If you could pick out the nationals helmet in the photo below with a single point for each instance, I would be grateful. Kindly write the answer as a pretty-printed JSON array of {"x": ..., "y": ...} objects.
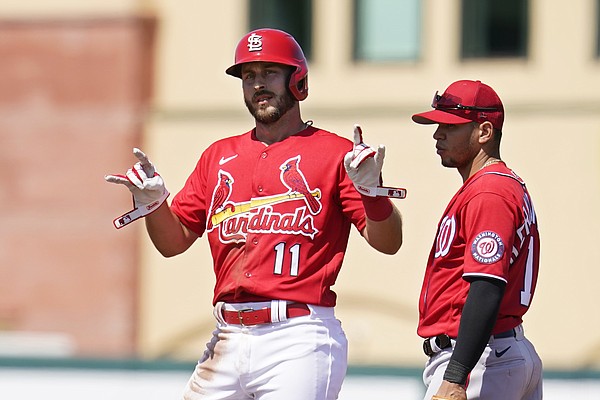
[{"x": 273, "y": 45}]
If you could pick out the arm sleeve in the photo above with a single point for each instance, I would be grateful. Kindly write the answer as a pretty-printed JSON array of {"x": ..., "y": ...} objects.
[{"x": 476, "y": 324}]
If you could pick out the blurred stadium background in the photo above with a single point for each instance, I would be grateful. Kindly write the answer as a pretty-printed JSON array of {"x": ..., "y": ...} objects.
[{"x": 86, "y": 307}]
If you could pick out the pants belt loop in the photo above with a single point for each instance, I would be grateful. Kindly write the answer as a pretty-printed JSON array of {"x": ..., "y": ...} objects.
[
  {"x": 283, "y": 310},
  {"x": 519, "y": 332},
  {"x": 275, "y": 312},
  {"x": 218, "y": 312}
]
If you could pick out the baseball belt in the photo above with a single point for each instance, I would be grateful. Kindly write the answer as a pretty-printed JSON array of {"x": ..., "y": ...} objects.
[
  {"x": 250, "y": 317},
  {"x": 438, "y": 343}
]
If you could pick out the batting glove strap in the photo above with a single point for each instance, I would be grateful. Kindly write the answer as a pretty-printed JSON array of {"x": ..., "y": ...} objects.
[
  {"x": 382, "y": 191},
  {"x": 140, "y": 211}
]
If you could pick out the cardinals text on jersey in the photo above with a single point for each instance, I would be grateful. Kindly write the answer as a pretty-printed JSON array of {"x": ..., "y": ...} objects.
[{"x": 235, "y": 220}]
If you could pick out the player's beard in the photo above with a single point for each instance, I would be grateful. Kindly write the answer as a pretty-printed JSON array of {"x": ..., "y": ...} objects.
[{"x": 272, "y": 112}]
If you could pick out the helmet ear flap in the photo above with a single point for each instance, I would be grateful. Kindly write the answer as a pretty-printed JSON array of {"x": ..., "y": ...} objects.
[{"x": 300, "y": 88}]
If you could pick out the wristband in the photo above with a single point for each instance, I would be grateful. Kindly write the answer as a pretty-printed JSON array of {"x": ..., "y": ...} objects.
[
  {"x": 139, "y": 212},
  {"x": 377, "y": 208},
  {"x": 456, "y": 373}
]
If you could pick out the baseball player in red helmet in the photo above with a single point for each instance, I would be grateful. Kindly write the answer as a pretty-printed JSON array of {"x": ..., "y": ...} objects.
[
  {"x": 483, "y": 267},
  {"x": 277, "y": 204}
]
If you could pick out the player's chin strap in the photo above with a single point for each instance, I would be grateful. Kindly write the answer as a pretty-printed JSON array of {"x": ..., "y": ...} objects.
[
  {"x": 383, "y": 191},
  {"x": 139, "y": 212}
]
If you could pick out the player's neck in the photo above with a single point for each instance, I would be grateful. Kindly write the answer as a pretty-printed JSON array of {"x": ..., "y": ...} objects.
[
  {"x": 289, "y": 124},
  {"x": 478, "y": 164}
]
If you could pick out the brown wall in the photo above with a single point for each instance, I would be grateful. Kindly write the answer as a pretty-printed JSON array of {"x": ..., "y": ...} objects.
[{"x": 73, "y": 98}]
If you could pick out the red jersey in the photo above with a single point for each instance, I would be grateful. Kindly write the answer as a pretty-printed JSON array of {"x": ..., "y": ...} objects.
[
  {"x": 489, "y": 229},
  {"x": 277, "y": 217}
]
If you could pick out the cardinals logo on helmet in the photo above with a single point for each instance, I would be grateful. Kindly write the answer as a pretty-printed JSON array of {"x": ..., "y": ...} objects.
[{"x": 255, "y": 42}]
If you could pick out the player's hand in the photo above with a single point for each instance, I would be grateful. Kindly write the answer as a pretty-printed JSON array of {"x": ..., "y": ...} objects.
[
  {"x": 364, "y": 164},
  {"x": 450, "y": 391},
  {"x": 146, "y": 186}
]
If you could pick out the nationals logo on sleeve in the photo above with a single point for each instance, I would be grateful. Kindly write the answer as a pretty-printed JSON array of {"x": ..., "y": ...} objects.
[{"x": 487, "y": 248}]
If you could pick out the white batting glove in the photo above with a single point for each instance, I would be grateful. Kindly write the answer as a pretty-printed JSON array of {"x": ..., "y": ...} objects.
[
  {"x": 146, "y": 186},
  {"x": 364, "y": 164}
]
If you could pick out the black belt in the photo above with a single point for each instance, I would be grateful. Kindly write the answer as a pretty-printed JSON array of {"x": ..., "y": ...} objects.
[
  {"x": 443, "y": 341},
  {"x": 505, "y": 334}
]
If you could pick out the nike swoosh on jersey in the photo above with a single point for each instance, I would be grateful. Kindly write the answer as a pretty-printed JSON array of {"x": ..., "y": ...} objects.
[
  {"x": 501, "y": 353},
  {"x": 224, "y": 160}
]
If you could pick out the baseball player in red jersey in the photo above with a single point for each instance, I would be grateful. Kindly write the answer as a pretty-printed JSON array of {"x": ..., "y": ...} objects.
[
  {"x": 483, "y": 267},
  {"x": 276, "y": 204}
]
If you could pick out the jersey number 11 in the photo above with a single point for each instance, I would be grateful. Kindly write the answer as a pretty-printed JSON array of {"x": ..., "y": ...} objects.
[{"x": 280, "y": 256}]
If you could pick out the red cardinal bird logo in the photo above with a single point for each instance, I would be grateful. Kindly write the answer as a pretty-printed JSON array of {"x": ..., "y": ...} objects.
[
  {"x": 292, "y": 177},
  {"x": 220, "y": 196}
]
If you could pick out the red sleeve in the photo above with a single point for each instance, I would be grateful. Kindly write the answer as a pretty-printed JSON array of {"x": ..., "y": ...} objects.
[
  {"x": 190, "y": 203},
  {"x": 490, "y": 230}
]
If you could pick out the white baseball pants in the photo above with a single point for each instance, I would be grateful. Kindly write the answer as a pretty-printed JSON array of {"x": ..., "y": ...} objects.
[
  {"x": 301, "y": 358},
  {"x": 509, "y": 368}
]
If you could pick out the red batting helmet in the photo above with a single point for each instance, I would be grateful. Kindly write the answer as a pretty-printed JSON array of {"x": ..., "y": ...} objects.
[{"x": 272, "y": 45}]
